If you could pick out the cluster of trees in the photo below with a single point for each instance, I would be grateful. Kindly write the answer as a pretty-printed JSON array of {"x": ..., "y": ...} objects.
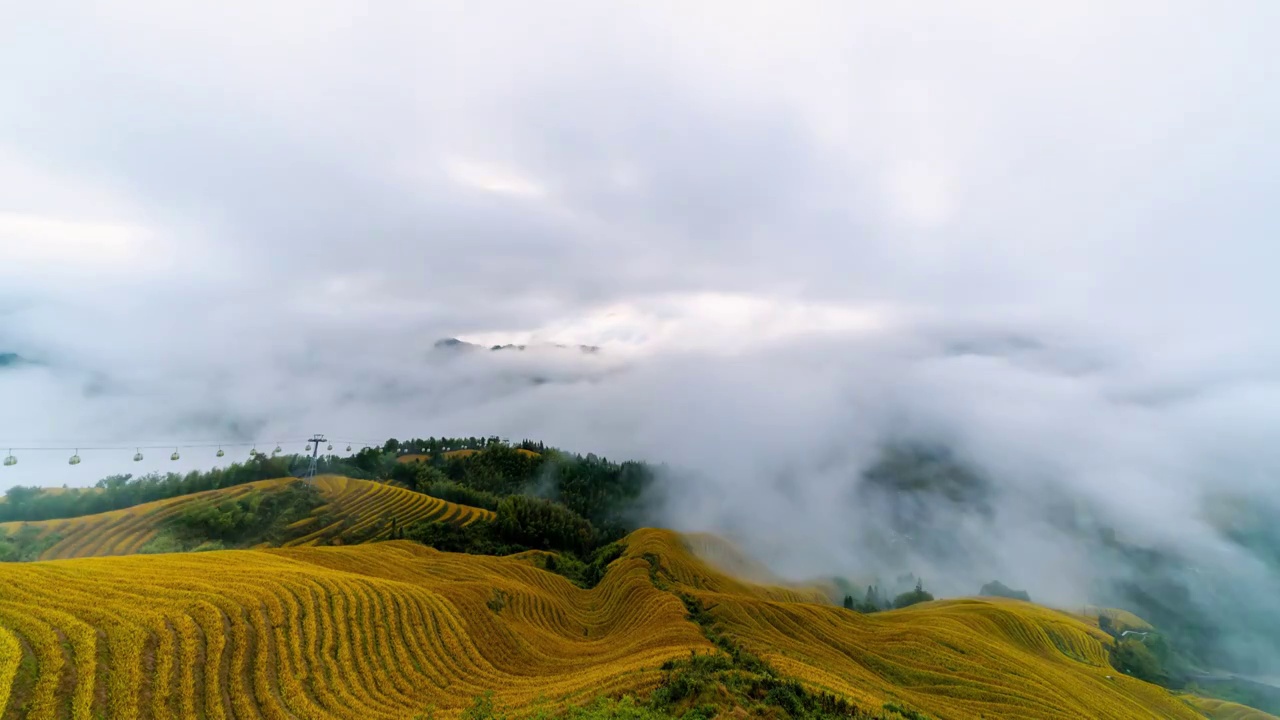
[
  {"x": 995, "y": 588},
  {"x": 607, "y": 495},
  {"x": 121, "y": 491},
  {"x": 1143, "y": 655},
  {"x": 539, "y": 523},
  {"x": 875, "y": 600},
  {"x": 436, "y": 446},
  {"x": 522, "y": 523},
  {"x": 610, "y": 495},
  {"x": 544, "y": 499},
  {"x": 458, "y": 493},
  {"x": 498, "y": 469},
  {"x": 576, "y": 506},
  {"x": 1158, "y": 589},
  {"x": 25, "y": 544},
  {"x": 247, "y": 521},
  {"x": 585, "y": 569}
]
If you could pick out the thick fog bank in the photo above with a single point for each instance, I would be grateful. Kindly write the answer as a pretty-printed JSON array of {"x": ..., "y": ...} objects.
[{"x": 1039, "y": 463}]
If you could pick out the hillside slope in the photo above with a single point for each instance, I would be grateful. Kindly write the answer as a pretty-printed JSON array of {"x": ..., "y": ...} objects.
[
  {"x": 374, "y": 631},
  {"x": 356, "y": 510},
  {"x": 1224, "y": 710},
  {"x": 391, "y": 629},
  {"x": 957, "y": 658}
]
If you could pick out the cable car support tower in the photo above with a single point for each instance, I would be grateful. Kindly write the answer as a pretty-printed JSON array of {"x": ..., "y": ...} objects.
[{"x": 314, "y": 446}]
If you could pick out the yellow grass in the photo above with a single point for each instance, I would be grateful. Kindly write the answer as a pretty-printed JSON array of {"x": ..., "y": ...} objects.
[
  {"x": 1121, "y": 619},
  {"x": 376, "y": 631},
  {"x": 10, "y": 656},
  {"x": 955, "y": 659},
  {"x": 465, "y": 452},
  {"x": 356, "y": 509},
  {"x": 1223, "y": 710},
  {"x": 388, "y": 630}
]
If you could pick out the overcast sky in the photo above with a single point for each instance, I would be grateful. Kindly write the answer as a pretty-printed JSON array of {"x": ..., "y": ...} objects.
[
  {"x": 602, "y": 172},
  {"x": 1046, "y": 233}
]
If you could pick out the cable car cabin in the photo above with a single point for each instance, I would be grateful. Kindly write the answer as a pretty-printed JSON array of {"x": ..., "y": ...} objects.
[
  {"x": 308, "y": 447},
  {"x": 137, "y": 457},
  {"x": 220, "y": 453},
  {"x": 10, "y": 460},
  {"x": 330, "y": 446},
  {"x": 75, "y": 459},
  {"x": 348, "y": 448},
  {"x": 175, "y": 455}
]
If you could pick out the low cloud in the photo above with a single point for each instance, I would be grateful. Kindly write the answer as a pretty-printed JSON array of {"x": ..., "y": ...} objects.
[{"x": 1043, "y": 240}]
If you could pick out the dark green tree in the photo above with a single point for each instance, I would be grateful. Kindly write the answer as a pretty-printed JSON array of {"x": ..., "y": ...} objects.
[
  {"x": 918, "y": 595},
  {"x": 1106, "y": 626}
]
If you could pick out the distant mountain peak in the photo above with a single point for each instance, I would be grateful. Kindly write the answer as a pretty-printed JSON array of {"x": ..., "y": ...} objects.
[
  {"x": 456, "y": 344},
  {"x": 451, "y": 343}
]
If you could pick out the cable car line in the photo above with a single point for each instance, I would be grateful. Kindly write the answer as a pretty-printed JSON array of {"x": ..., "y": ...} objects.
[{"x": 11, "y": 458}]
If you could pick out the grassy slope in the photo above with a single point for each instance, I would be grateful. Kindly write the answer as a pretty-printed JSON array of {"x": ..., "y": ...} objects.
[
  {"x": 1224, "y": 710},
  {"x": 390, "y": 629},
  {"x": 955, "y": 659},
  {"x": 356, "y": 509},
  {"x": 384, "y": 630}
]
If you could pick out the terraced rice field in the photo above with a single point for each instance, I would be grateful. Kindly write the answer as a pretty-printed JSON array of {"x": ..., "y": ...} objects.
[
  {"x": 1121, "y": 619},
  {"x": 364, "y": 510},
  {"x": 386, "y": 630},
  {"x": 465, "y": 452},
  {"x": 391, "y": 629},
  {"x": 1223, "y": 710},
  {"x": 991, "y": 657},
  {"x": 356, "y": 510}
]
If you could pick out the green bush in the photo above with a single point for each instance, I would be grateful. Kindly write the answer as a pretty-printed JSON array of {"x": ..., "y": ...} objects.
[
  {"x": 241, "y": 522},
  {"x": 995, "y": 588},
  {"x": 25, "y": 544},
  {"x": 1132, "y": 657},
  {"x": 913, "y": 597},
  {"x": 478, "y": 538},
  {"x": 484, "y": 708},
  {"x": 498, "y": 600},
  {"x": 461, "y": 494},
  {"x": 544, "y": 525}
]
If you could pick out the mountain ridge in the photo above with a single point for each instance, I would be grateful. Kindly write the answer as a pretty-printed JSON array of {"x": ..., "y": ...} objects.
[{"x": 453, "y": 343}]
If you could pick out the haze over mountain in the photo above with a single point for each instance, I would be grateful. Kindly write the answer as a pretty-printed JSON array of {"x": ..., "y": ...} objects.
[{"x": 1038, "y": 241}]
